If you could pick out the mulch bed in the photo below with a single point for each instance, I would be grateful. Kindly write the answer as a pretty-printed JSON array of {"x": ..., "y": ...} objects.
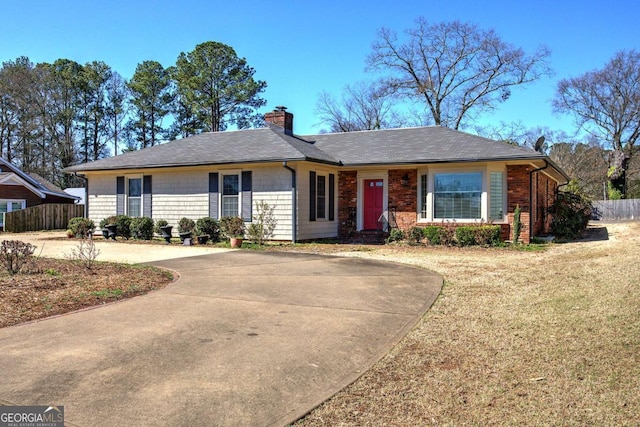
[{"x": 49, "y": 287}]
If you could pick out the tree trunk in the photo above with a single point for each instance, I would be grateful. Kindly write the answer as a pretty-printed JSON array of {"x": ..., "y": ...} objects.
[{"x": 617, "y": 175}]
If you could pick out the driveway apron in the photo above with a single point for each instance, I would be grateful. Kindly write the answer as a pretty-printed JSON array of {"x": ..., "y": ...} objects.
[{"x": 242, "y": 338}]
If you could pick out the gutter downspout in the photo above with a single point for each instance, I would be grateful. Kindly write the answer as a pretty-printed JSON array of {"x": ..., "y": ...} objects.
[
  {"x": 294, "y": 204},
  {"x": 86, "y": 192}
]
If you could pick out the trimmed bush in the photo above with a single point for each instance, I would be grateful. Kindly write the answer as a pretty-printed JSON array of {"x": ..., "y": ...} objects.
[
  {"x": 141, "y": 228},
  {"x": 123, "y": 226},
  {"x": 160, "y": 223},
  {"x": 415, "y": 234},
  {"x": 186, "y": 225},
  {"x": 571, "y": 213},
  {"x": 433, "y": 234},
  {"x": 396, "y": 235},
  {"x": 465, "y": 235},
  {"x": 232, "y": 226},
  {"x": 210, "y": 226},
  {"x": 81, "y": 227}
]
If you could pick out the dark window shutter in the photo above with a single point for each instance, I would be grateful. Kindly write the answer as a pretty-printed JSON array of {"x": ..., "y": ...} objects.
[
  {"x": 246, "y": 196},
  {"x": 120, "y": 195},
  {"x": 312, "y": 196},
  {"x": 146, "y": 196},
  {"x": 213, "y": 195},
  {"x": 332, "y": 193}
]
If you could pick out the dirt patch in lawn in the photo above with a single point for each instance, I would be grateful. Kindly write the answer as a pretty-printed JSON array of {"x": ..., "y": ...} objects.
[
  {"x": 49, "y": 287},
  {"x": 544, "y": 337}
]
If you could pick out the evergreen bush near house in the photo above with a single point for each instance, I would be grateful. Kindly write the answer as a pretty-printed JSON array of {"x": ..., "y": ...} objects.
[
  {"x": 186, "y": 225},
  {"x": 81, "y": 227},
  {"x": 208, "y": 226},
  {"x": 465, "y": 235},
  {"x": 232, "y": 226},
  {"x": 433, "y": 234},
  {"x": 396, "y": 235},
  {"x": 141, "y": 228},
  {"x": 571, "y": 213},
  {"x": 108, "y": 221},
  {"x": 517, "y": 224},
  {"x": 415, "y": 234},
  {"x": 160, "y": 223},
  {"x": 123, "y": 226}
]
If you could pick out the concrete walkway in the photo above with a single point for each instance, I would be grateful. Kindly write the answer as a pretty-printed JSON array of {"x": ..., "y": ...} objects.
[{"x": 243, "y": 338}]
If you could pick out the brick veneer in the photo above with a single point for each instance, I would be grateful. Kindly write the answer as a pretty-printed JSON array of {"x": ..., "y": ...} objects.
[
  {"x": 404, "y": 199},
  {"x": 347, "y": 202}
]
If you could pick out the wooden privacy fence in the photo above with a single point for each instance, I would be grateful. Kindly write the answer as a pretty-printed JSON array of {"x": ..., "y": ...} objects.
[
  {"x": 52, "y": 216},
  {"x": 625, "y": 209}
]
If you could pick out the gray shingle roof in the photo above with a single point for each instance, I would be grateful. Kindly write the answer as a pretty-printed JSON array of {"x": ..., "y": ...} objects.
[
  {"x": 432, "y": 144},
  {"x": 246, "y": 146},
  {"x": 34, "y": 179}
]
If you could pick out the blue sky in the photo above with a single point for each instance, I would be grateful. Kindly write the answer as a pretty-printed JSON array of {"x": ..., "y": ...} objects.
[{"x": 301, "y": 48}]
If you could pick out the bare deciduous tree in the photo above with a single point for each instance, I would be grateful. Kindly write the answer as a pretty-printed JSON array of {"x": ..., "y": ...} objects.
[
  {"x": 606, "y": 104},
  {"x": 457, "y": 69}
]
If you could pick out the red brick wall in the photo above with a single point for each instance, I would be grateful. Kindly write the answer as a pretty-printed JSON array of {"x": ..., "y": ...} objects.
[
  {"x": 404, "y": 197},
  {"x": 545, "y": 192},
  {"x": 518, "y": 194},
  {"x": 20, "y": 193},
  {"x": 347, "y": 202}
]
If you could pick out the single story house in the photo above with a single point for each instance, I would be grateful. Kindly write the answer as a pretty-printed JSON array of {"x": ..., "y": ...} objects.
[
  {"x": 329, "y": 185},
  {"x": 20, "y": 190}
]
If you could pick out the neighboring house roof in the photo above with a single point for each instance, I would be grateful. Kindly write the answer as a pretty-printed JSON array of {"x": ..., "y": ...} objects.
[
  {"x": 244, "y": 146},
  {"x": 34, "y": 182},
  {"x": 78, "y": 192},
  {"x": 433, "y": 144}
]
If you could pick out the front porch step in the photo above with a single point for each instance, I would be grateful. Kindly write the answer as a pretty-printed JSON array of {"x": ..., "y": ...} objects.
[{"x": 368, "y": 237}]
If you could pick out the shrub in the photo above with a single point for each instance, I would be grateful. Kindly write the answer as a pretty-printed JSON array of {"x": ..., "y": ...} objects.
[
  {"x": 14, "y": 254},
  {"x": 448, "y": 234},
  {"x": 232, "y": 226},
  {"x": 81, "y": 227},
  {"x": 465, "y": 235},
  {"x": 160, "y": 223},
  {"x": 209, "y": 226},
  {"x": 433, "y": 234},
  {"x": 570, "y": 214},
  {"x": 123, "y": 226},
  {"x": 85, "y": 253},
  {"x": 488, "y": 235},
  {"x": 141, "y": 228},
  {"x": 263, "y": 225},
  {"x": 415, "y": 234},
  {"x": 517, "y": 224},
  {"x": 395, "y": 235},
  {"x": 186, "y": 225},
  {"x": 108, "y": 221}
]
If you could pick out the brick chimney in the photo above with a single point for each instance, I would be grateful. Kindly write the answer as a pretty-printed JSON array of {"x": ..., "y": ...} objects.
[{"x": 280, "y": 117}]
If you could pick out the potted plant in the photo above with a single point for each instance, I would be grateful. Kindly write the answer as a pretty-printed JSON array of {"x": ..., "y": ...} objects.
[
  {"x": 185, "y": 228},
  {"x": 207, "y": 228},
  {"x": 164, "y": 229},
  {"x": 233, "y": 228},
  {"x": 109, "y": 227}
]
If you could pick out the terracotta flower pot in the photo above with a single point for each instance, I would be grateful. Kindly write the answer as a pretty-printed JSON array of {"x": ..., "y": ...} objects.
[{"x": 235, "y": 242}]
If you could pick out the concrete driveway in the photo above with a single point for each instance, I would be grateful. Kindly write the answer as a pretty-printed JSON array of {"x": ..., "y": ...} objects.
[{"x": 242, "y": 338}]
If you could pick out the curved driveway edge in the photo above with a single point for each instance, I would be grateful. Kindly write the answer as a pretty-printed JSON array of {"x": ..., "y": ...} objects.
[{"x": 243, "y": 338}]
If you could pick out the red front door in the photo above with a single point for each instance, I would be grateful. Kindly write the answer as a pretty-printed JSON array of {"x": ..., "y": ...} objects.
[{"x": 372, "y": 204}]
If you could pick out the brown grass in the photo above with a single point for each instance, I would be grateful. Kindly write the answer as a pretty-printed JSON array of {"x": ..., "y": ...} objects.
[{"x": 516, "y": 338}]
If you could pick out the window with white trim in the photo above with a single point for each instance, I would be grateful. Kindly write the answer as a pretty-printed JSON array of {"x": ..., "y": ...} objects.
[
  {"x": 230, "y": 195},
  {"x": 134, "y": 197},
  {"x": 10, "y": 206},
  {"x": 457, "y": 195},
  {"x": 321, "y": 197}
]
